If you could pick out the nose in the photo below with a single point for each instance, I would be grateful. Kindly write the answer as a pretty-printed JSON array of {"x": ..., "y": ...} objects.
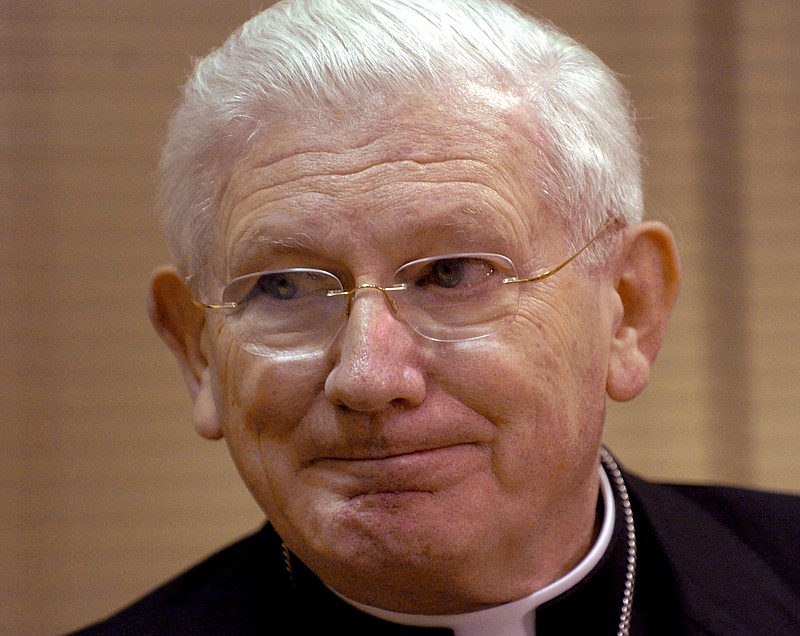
[{"x": 378, "y": 360}]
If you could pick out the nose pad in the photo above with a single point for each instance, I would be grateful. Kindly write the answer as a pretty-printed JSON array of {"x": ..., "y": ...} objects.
[
  {"x": 377, "y": 361},
  {"x": 351, "y": 295}
]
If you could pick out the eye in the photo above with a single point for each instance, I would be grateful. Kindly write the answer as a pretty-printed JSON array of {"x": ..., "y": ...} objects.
[
  {"x": 447, "y": 272},
  {"x": 282, "y": 286},
  {"x": 456, "y": 272}
]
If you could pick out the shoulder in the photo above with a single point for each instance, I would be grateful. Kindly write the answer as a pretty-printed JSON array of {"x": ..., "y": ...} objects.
[
  {"x": 767, "y": 523},
  {"x": 225, "y": 590},
  {"x": 733, "y": 554}
]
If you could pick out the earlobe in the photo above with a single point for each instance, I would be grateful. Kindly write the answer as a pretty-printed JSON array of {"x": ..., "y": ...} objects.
[
  {"x": 180, "y": 323},
  {"x": 204, "y": 414},
  {"x": 647, "y": 285}
]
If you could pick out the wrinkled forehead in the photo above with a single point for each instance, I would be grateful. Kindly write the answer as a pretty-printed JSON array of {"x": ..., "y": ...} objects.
[
  {"x": 322, "y": 166},
  {"x": 427, "y": 126}
]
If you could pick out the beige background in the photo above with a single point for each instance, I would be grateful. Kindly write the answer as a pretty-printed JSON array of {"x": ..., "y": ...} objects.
[{"x": 106, "y": 491}]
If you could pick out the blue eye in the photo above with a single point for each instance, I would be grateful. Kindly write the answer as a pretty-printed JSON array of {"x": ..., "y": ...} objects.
[
  {"x": 447, "y": 272},
  {"x": 272, "y": 288},
  {"x": 458, "y": 273},
  {"x": 281, "y": 286}
]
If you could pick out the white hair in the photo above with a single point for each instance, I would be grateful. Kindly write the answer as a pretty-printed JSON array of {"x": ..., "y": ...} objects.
[{"x": 331, "y": 55}]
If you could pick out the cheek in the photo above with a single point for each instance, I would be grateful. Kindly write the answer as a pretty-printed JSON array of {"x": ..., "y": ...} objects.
[
  {"x": 261, "y": 403},
  {"x": 528, "y": 366},
  {"x": 264, "y": 396},
  {"x": 540, "y": 382}
]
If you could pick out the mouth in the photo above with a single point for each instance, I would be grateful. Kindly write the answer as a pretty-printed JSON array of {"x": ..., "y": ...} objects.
[{"x": 403, "y": 471}]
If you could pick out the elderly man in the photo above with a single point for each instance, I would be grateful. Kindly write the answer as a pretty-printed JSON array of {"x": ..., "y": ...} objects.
[{"x": 410, "y": 264}]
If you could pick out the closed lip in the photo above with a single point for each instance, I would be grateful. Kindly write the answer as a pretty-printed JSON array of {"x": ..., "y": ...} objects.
[
  {"x": 423, "y": 469},
  {"x": 379, "y": 455},
  {"x": 381, "y": 439}
]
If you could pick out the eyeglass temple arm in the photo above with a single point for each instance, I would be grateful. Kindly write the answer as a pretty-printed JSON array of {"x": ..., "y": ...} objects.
[
  {"x": 609, "y": 222},
  {"x": 203, "y": 305}
]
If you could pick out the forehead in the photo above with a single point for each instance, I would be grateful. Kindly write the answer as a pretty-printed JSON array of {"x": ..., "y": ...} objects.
[{"x": 423, "y": 169}]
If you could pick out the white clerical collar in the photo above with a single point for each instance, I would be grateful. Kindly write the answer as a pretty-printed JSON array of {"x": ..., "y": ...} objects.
[{"x": 516, "y": 618}]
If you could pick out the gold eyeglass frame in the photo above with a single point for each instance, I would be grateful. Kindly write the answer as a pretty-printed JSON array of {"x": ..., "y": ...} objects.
[{"x": 392, "y": 288}]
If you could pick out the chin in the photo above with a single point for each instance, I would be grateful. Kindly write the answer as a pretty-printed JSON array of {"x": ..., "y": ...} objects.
[{"x": 408, "y": 536}]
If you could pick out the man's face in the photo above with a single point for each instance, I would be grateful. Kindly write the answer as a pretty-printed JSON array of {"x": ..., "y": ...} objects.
[{"x": 412, "y": 474}]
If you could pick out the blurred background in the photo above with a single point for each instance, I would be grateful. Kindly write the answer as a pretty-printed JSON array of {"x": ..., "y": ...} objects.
[{"x": 105, "y": 489}]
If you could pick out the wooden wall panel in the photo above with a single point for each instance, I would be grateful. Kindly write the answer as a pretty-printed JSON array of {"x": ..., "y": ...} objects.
[
  {"x": 769, "y": 88},
  {"x": 108, "y": 491}
]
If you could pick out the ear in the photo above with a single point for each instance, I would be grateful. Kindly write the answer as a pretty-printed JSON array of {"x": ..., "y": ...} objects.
[
  {"x": 648, "y": 280},
  {"x": 180, "y": 323}
]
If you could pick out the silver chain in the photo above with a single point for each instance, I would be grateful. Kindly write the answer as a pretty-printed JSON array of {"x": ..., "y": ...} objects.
[{"x": 630, "y": 573}]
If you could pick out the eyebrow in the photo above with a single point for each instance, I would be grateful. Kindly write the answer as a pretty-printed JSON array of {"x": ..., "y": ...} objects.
[
  {"x": 468, "y": 225},
  {"x": 258, "y": 246},
  {"x": 286, "y": 244}
]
